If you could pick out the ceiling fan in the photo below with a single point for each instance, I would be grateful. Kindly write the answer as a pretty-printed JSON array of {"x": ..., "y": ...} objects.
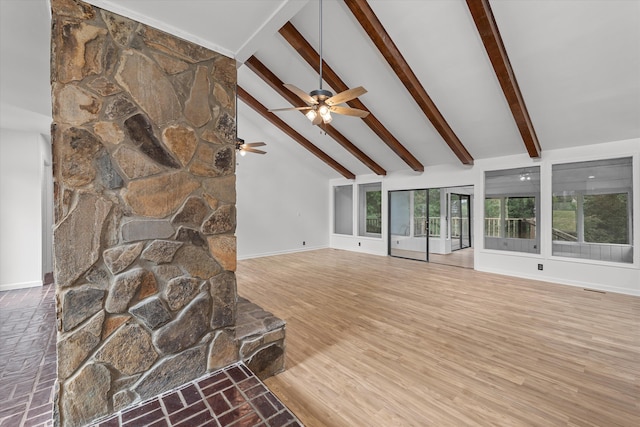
[
  {"x": 321, "y": 103},
  {"x": 248, "y": 147}
]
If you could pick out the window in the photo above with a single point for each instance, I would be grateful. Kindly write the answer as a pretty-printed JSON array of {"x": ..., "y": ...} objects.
[
  {"x": 343, "y": 209},
  {"x": 420, "y": 213},
  {"x": 370, "y": 216},
  {"x": 510, "y": 210},
  {"x": 592, "y": 210}
]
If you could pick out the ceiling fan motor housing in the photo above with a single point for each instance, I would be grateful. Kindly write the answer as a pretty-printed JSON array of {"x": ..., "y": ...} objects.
[{"x": 320, "y": 94}]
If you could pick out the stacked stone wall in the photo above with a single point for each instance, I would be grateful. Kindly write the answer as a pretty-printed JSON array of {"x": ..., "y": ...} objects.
[{"x": 144, "y": 246}]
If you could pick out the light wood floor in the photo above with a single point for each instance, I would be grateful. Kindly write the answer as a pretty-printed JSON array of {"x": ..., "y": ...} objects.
[
  {"x": 383, "y": 341},
  {"x": 460, "y": 258}
]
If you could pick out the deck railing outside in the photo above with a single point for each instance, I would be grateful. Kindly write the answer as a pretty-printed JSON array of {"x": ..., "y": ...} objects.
[{"x": 515, "y": 228}]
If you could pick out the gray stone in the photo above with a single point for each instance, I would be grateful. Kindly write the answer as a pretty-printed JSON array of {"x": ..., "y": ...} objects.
[
  {"x": 140, "y": 130},
  {"x": 129, "y": 350},
  {"x": 124, "y": 288},
  {"x": 134, "y": 164},
  {"x": 187, "y": 329},
  {"x": 167, "y": 272},
  {"x": 191, "y": 213},
  {"x": 251, "y": 343},
  {"x": 268, "y": 361},
  {"x": 109, "y": 177},
  {"x": 148, "y": 86},
  {"x": 196, "y": 109},
  {"x": 111, "y": 235},
  {"x": 223, "y": 188},
  {"x": 77, "y": 238},
  {"x": 172, "y": 372},
  {"x": 104, "y": 87},
  {"x": 174, "y": 46},
  {"x": 192, "y": 236},
  {"x": 161, "y": 251},
  {"x": 226, "y": 127},
  {"x": 181, "y": 141},
  {"x": 85, "y": 397},
  {"x": 180, "y": 291},
  {"x": 121, "y": 257},
  {"x": 159, "y": 196},
  {"x": 223, "y": 351},
  {"x": 152, "y": 312},
  {"x": 224, "y": 160},
  {"x": 197, "y": 262},
  {"x": 252, "y": 321},
  {"x": 75, "y": 150},
  {"x": 120, "y": 28},
  {"x": 224, "y": 300},
  {"x": 122, "y": 399},
  {"x": 73, "y": 105},
  {"x": 146, "y": 229},
  {"x": 118, "y": 108},
  {"x": 223, "y": 220},
  {"x": 74, "y": 348},
  {"x": 98, "y": 276},
  {"x": 182, "y": 83},
  {"x": 124, "y": 383},
  {"x": 111, "y": 57},
  {"x": 80, "y": 304}
]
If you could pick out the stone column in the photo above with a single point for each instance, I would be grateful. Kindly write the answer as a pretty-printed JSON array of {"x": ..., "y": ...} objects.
[{"x": 144, "y": 246}]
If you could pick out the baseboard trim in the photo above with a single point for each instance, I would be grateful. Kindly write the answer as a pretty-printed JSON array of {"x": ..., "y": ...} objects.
[
  {"x": 22, "y": 285},
  {"x": 288, "y": 251},
  {"x": 557, "y": 281}
]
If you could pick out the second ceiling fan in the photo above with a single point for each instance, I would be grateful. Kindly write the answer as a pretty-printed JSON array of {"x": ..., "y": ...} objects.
[{"x": 321, "y": 103}]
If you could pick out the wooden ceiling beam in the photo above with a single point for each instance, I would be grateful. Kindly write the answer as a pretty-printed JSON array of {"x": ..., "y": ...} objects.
[
  {"x": 277, "y": 122},
  {"x": 490, "y": 35},
  {"x": 309, "y": 54},
  {"x": 377, "y": 33},
  {"x": 276, "y": 84}
]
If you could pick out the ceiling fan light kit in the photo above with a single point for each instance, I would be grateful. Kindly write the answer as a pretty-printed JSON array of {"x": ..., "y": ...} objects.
[
  {"x": 249, "y": 147},
  {"x": 320, "y": 102}
]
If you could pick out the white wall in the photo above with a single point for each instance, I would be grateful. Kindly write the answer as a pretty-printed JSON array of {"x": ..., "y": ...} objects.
[
  {"x": 281, "y": 196},
  {"x": 614, "y": 277},
  {"x": 21, "y": 169}
]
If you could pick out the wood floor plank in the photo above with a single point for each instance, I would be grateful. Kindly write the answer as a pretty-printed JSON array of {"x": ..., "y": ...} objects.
[{"x": 383, "y": 341}]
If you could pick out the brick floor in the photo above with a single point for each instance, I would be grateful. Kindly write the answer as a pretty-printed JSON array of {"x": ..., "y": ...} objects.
[
  {"x": 27, "y": 356},
  {"x": 230, "y": 397}
]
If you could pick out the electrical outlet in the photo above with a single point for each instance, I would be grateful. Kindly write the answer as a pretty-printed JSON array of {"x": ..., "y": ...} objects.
[
  {"x": 304, "y": 243},
  {"x": 359, "y": 244},
  {"x": 540, "y": 267}
]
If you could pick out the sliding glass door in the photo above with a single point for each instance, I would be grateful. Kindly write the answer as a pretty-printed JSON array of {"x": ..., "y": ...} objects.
[
  {"x": 409, "y": 224},
  {"x": 460, "y": 221}
]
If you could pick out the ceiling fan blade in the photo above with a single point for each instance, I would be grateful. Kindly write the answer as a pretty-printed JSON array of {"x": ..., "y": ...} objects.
[
  {"x": 255, "y": 144},
  {"x": 289, "y": 108},
  {"x": 253, "y": 150},
  {"x": 347, "y": 111},
  {"x": 301, "y": 94},
  {"x": 345, "y": 96},
  {"x": 317, "y": 120}
]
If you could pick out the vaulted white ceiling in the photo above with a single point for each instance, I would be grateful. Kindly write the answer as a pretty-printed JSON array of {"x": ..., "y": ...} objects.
[{"x": 577, "y": 64}]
